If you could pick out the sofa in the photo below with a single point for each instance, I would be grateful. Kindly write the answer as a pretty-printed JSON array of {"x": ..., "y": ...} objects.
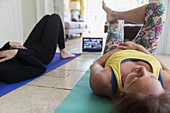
[
  {"x": 131, "y": 30},
  {"x": 73, "y": 26}
]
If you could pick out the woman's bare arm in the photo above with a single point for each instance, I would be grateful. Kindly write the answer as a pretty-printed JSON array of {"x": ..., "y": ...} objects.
[{"x": 100, "y": 77}]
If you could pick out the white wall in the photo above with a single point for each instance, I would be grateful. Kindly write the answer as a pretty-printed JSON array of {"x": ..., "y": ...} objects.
[
  {"x": 166, "y": 33},
  {"x": 49, "y": 7},
  {"x": 34, "y": 10},
  {"x": 28, "y": 16},
  {"x": 10, "y": 21},
  {"x": 153, "y": 0},
  {"x": 67, "y": 5},
  {"x": 59, "y": 8},
  {"x": 95, "y": 17},
  {"x": 18, "y": 17},
  {"x": 167, "y": 50},
  {"x": 164, "y": 44},
  {"x": 40, "y": 9}
]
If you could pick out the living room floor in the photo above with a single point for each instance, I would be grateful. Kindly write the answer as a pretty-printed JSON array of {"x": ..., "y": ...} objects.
[{"x": 46, "y": 93}]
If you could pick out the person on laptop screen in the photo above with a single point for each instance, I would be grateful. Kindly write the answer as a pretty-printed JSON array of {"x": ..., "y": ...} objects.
[{"x": 92, "y": 44}]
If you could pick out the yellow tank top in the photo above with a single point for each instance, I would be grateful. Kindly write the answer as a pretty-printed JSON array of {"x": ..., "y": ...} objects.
[{"x": 130, "y": 55}]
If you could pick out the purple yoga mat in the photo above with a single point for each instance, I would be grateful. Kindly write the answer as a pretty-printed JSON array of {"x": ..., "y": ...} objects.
[{"x": 56, "y": 62}]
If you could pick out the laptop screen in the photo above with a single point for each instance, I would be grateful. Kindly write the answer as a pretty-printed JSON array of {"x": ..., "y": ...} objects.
[{"x": 92, "y": 44}]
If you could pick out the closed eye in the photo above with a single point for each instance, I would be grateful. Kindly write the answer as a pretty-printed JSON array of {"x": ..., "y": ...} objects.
[{"x": 137, "y": 78}]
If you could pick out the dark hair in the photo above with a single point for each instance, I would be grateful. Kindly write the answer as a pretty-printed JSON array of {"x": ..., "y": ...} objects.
[{"x": 137, "y": 103}]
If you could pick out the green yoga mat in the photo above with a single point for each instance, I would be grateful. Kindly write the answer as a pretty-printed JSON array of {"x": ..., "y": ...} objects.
[{"x": 82, "y": 100}]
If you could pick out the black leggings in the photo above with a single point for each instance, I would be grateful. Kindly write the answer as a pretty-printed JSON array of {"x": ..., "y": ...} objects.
[{"x": 43, "y": 40}]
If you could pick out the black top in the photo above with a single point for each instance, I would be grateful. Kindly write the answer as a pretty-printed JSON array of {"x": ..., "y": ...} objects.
[{"x": 22, "y": 67}]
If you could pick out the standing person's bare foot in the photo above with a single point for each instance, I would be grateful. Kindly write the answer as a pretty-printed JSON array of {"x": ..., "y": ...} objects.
[
  {"x": 64, "y": 54},
  {"x": 111, "y": 15}
]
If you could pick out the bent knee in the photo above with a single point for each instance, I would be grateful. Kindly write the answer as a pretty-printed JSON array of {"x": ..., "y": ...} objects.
[
  {"x": 56, "y": 16},
  {"x": 155, "y": 9}
]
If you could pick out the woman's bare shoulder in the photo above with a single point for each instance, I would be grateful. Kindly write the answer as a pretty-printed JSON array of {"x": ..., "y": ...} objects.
[
  {"x": 103, "y": 75},
  {"x": 101, "y": 83},
  {"x": 166, "y": 79}
]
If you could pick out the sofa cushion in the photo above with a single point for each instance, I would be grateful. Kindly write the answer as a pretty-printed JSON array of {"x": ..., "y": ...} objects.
[
  {"x": 74, "y": 25},
  {"x": 82, "y": 25},
  {"x": 71, "y": 25}
]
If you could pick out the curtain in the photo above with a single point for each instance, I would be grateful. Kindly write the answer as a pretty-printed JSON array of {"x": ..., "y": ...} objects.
[{"x": 164, "y": 45}]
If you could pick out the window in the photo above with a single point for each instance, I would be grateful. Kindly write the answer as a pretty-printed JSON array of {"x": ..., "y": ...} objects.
[
  {"x": 129, "y": 4},
  {"x": 163, "y": 46},
  {"x": 96, "y": 17}
]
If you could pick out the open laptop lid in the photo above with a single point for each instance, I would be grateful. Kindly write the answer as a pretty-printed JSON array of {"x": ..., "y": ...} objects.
[{"x": 92, "y": 44}]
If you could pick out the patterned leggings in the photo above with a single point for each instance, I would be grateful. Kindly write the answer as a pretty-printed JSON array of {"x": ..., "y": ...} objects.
[{"x": 149, "y": 34}]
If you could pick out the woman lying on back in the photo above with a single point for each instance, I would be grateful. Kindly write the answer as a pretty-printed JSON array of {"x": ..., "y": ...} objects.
[{"x": 129, "y": 70}]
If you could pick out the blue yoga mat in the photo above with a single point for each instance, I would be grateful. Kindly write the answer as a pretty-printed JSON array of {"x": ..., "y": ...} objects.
[{"x": 56, "y": 62}]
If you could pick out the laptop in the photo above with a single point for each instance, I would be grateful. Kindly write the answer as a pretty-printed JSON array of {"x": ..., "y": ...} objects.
[{"x": 92, "y": 44}]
